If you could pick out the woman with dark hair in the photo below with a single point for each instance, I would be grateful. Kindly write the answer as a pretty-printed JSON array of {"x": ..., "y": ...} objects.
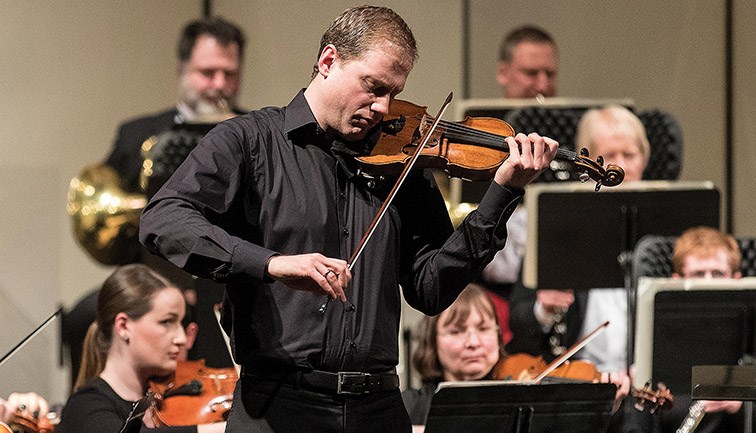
[
  {"x": 136, "y": 336},
  {"x": 462, "y": 343}
]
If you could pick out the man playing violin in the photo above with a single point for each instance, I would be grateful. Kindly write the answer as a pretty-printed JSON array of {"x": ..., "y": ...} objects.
[{"x": 272, "y": 203}]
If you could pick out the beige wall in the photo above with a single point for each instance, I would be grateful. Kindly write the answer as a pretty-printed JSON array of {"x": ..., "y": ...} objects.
[
  {"x": 71, "y": 71},
  {"x": 666, "y": 55}
]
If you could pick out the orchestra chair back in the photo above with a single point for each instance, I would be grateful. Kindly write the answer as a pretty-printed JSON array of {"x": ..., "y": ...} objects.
[
  {"x": 652, "y": 257},
  {"x": 560, "y": 123}
]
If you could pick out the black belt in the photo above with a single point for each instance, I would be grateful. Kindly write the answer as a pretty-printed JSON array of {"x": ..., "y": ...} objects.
[{"x": 341, "y": 383}]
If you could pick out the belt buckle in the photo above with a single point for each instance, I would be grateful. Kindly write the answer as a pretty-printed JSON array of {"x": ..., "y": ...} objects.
[{"x": 351, "y": 380}]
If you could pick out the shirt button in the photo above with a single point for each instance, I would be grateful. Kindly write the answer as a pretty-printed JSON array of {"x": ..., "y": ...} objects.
[
  {"x": 352, "y": 344},
  {"x": 351, "y": 307},
  {"x": 342, "y": 195},
  {"x": 346, "y": 232}
]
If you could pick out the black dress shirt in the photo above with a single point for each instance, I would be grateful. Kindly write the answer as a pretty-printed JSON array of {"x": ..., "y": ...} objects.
[{"x": 272, "y": 182}]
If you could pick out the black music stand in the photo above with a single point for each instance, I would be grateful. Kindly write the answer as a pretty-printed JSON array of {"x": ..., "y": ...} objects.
[
  {"x": 506, "y": 407},
  {"x": 582, "y": 239}
]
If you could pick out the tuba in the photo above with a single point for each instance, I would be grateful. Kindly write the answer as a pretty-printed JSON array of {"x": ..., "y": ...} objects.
[{"x": 105, "y": 217}]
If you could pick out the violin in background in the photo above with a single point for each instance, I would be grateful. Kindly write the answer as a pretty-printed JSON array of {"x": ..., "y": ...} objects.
[
  {"x": 524, "y": 367},
  {"x": 195, "y": 394},
  {"x": 21, "y": 422}
]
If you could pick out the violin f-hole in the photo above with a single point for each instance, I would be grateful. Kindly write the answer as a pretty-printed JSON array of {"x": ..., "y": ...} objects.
[{"x": 395, "y": 126}]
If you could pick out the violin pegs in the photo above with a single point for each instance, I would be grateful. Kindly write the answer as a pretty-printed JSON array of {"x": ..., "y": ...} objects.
[
  {"x": 584, "y": 152},
  {"x": 600, "y": 160},
  {"x": 598, "y": 186},
  {"x": 584, "y": 177}
]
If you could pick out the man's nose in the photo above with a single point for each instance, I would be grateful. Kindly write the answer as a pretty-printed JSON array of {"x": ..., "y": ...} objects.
[
  {"x": 219, "y": 80},
  {"x": 381, "y": 105},
  {"x": 543, "y": 82}
]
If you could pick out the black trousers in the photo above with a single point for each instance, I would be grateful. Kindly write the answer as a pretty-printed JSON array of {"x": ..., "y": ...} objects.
[{"x": 269, "y": 406}]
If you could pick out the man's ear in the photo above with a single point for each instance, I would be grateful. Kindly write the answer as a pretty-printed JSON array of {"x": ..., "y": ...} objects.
[
  {"x": 180, "y": 65},
  {"x": 327, "y": 60},
  {"x": 502, "y": 73},
  {"x": 191, "y": 335}
]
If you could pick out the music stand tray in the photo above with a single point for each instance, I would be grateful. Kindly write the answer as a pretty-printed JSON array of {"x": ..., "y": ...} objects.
[
  {"x": 724, "y": 382},
  {"x": 514, "y": 407}
]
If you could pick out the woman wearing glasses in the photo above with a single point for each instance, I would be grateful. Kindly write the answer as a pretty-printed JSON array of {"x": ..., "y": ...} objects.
[{"x": 464, "y": 343}]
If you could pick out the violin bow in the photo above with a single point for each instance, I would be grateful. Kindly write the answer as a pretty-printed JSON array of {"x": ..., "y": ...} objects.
[
  {"x": 571, "y": 351},
  {"x": 399, "y": 181},
  {"x": 34, "y": 333}
]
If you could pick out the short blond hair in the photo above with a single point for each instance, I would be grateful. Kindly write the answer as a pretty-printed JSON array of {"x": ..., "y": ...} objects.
[{"x": 618, "y": 119}]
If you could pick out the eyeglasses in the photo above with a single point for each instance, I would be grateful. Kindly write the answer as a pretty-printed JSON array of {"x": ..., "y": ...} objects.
[{"x": 485, "y": 333}]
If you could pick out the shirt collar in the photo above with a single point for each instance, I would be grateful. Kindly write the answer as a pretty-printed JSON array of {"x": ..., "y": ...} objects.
[
  {"x": 299, "y": 117},
  {"x": 301, "y": 122}
]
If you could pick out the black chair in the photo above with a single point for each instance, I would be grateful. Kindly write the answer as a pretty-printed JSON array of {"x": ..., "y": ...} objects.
[
  {"x": 557, "y": 123},
  {"x": 666, "y": 140},
  {"x": 663, "y": 132},
  {"x": 652, "y": 257}
]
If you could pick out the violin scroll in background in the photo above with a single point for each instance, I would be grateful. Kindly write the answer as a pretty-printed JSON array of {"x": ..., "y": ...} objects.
[
  {"x": 472, "y": 149},
  {"x": 24, "y": 423},
  {"x": 651, "y": 400}
]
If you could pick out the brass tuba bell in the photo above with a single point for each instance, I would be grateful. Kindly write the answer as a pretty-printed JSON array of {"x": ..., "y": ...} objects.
[{"x": 105, "y": 218}]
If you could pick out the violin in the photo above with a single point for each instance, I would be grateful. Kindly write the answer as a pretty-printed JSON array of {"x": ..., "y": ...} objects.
[
  {"x": 195, "y": 394},
  {"x": 472, "y": 149},
  {"x": 21, "y": 422},
  {"x": 524, "y": 367}
]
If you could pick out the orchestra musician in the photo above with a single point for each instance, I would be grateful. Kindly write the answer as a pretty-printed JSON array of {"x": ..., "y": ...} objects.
[
  {"x": 528, "y": 66},
  {"x": 618, "y": 135},
  {"x": 138, "y": 335},
  {"x": 704, "y": 252},
  {"x": 464, "y": 343},
  {"x": 209, "y": 71},
  {"x": 544, "y": 322},
  {"x": 528, "y": 63},
  {"x": 272, "y": 203}
]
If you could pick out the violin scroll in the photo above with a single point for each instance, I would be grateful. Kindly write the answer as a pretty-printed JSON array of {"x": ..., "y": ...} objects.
[
  {"x": 648, "y": 399},
  {"x": 612, "y": 175}
]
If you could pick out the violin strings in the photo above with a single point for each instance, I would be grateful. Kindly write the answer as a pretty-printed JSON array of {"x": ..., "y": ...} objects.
[{"x": 490, "y": 138}]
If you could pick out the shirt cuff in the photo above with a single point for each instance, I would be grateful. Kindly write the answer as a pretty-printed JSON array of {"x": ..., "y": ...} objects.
[
  {"x": 498, "y": 204},
  {"x": 252, "y": 260}
]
